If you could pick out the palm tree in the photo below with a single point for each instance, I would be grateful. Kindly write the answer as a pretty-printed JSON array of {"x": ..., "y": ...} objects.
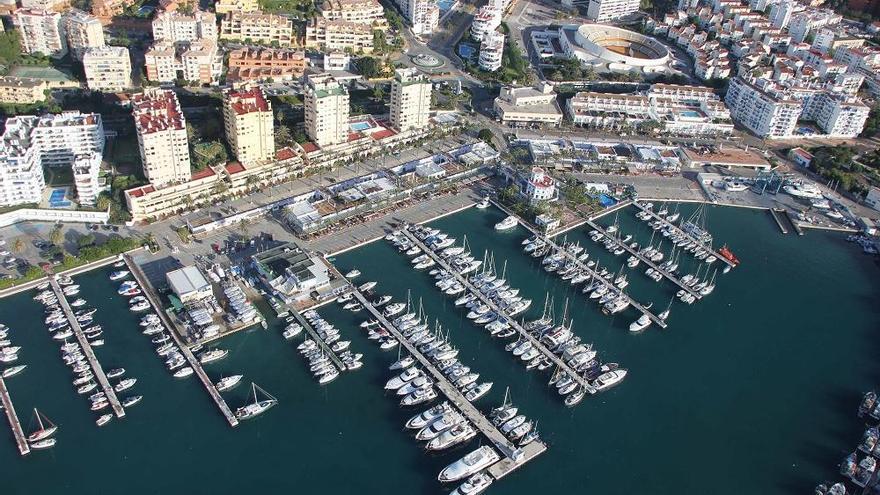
[
  {"x": 18, "y": 245},
  {"x": 56, "y": 235}
]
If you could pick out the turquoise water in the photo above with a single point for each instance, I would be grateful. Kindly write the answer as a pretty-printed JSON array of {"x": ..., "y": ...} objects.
[
  {"x": 360, "y": 126},
  {"x": 753, "y": 389}
]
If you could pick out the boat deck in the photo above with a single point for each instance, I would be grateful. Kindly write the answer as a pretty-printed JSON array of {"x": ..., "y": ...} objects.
[
  {"x": 512, "y": 456},
  {"x": 187, "y": 353},
  {"x": 314, "y": 333},
  {"x": 682, "y": 232},
  {"x": 14, "y": 423},
  {"x": 666, "y": 274},
  {"x": 88, "y": 351},
  {"x": 513, "y": 323}
]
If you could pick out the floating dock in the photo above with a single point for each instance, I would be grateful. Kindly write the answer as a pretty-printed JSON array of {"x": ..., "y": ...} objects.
[
  {"x": 318, "y": 340},
  {"x": 14, "y": 423},
  {"x": 513, "y": 323},
  {"x": 187, "y": 353},
  {"x": 513, "y": 456},
  {"x": 774, "y": 212},
  {"x": 666, "y": 274},
  {"x": 88, "y": 351},
  {"x": 682, "y": 232}
]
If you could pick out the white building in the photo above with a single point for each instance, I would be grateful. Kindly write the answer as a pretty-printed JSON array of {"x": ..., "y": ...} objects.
[
  {"x": 423, "y": 15},
  {"x": 83, "y": 31},
  {"x": 764, "y": 113},
  {"x": 249, "y": 125},
  {"x": 41, "y": 32},
  {"x": 610, "y": 10},
  {"x": 486, "y": 20},
  {"x": 872, "y": 199},
  {"x": 188, "y": 284},
  {"x": 410, "y": 99},
  {"x": 336, "y": 61},
  {"x": 173, "y": 27},
  {"x": 86, "y": 177},
  {"x": 491, "y": 51},
  {"x": 326, "y": 110},
  {"x": 162, "y": 139},
  {"x": 539, "y": 187},
  {"x": 31, "y": 143},
  {"x": 841, "y": 116},
  {"x": 198, "y": 61},
  {"x": 107, "y": 68},
  {"x": 528, "y": 105}
]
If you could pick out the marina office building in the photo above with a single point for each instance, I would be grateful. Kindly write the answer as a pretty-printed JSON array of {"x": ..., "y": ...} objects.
[
  {"x": 292, "y": 272},
  {"x": 188, "y": 284}
]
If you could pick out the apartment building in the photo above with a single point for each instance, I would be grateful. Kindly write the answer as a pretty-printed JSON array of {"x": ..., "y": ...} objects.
[
  {"x": 765, "y": 113},
  {"x": 107, "y": 9},
  {"x": 491, "y": 51},
  {"x": 610, "y": 10},
  {"x": 840, "y": 116},
  {"x": 57, "y": 5},
  {"x": 22, "y": 90},
  {"x": 86, "y": 168},
  {"x": 41, "y": 31},
  {"x": 174, "y": 27},
  {"x": 83, "y": 31},
  {"x": 248, "y": 121},
  {"x": 257, "y": 64},
  {"x": 486, "y": 20},
  {"x": 423, "y": 15},
  {"x": 198, "y": 61},
  {"x": 368, "y": 12},
  {"x": 268, "y": 29},
  {"x": 162, "y": 139},
  {"x": 30, "y": 143},
  {"x": 410, "y": 99},
  {"x": 107, "y": 68},
  {"x": 326, "y": 110},
  {"x": 224, "y": 7},
  {"x": 336, "y": 34}
]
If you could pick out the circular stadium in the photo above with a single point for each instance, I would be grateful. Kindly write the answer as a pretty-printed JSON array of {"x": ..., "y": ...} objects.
[{"x": 618, "y": 49}]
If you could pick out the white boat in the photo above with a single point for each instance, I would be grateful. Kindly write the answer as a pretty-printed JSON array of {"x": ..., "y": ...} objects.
[
  {"x": 292, "y": 331},
  {"x": 130, "y": 401},
  {"x": 474, "y": 485},
  {"x": 43, "y": 444},
  {"x": 483, "y": 204},
  {"x": 507, "y": 224},
  {"x": 228, "y": 382},
  {"x": 403, "y": 378},
  {"x": 125, "y": 384},
  {"x": 402, "y": 363},
  {"x": 425, "y": 418},
  {"x": 459, "y": 433},
  {"x": 478, "y": 392},
  {"x": 115, "y": 372},
  {"x": 212, "y": 355},
  {"x": 118, "y": 275},
  {"x": 45, "y": 431},
  {"x": 13, "y": 370},
  {"x": 366, "y": 286},
  {"x": 642, "y": 323},
  {"x": 419, "y": 396},
  {"x": 183, "y": 372},
  {"x": 256, "y": 407},
  {"x": 804, "y": 190},
  {"x": 439, "y": 425},
  {"x": 609, "y": 379},
  {"x": 104, "y": 419},
  {"x": 472, "y": 463},
  {"x": 353, "y": 274}
]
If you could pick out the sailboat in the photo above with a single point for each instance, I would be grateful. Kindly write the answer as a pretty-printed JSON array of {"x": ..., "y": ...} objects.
[
  {"x": 44, "y": 431},
  {"x": 258, "y": 406},
  {"x": 665, "y": 313}
]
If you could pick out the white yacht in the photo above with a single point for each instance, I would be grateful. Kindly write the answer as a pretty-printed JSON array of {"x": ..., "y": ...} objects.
[
  {"x": 352, "y": 274},
  {"x": 507, "y": 224},
  {"x": 804, "y": 190},
  {"x": 476, "y": 461},
  {"x": 642, "y": 323},
  {"x": 402, "y": 379},
  {"x": 228, "y": 382},
  {"x": 477, "y": 483},
  {"x": 483, "y": 204},
  {"x": 425, "y": 418},
  {"x": 256, "y": 407},
  {"x": 119, "y": 275},
  {"x": 609, "y": 379}
]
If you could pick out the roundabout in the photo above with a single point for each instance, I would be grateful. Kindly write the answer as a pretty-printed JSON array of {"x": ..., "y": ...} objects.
[{"x": 427, "y": 61}]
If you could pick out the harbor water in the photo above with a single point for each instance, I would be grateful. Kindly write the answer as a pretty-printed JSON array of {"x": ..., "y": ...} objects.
[{"x": 752, "y": 389}]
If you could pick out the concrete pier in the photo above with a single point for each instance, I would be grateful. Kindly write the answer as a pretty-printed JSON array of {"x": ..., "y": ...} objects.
[
  {"x": 88, "y": 351},
  {"x": 14, "y": 423},
  {"x": 666, "y": 274},
  {"x": 488, "y": 302},
  {"x": 775, "y": 214},
  {"x": 456, "y": 398},
  {"x": 682, "y": 232},
  {"x": 187, "y": 353},
  {"x": 326, "y": 348}
]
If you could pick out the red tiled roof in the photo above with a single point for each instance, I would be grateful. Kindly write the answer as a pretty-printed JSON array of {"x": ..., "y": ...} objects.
[
  {"x": 234, "y": 168},
  {"x": 285, "y": 153},
  {"x": 384, "y": 133},
  {"x": 247, "y": 101},
  {"x": 206, "y": 172},
  {"x": 140, "y": 191},
  {"x": 310, "y": 147},
  {"x": 352, "y": 136}
]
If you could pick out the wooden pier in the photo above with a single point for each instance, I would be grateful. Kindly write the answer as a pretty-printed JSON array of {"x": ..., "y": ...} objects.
[
  {"x": 666, "y": 274},
  {"x": 318, "y": 340},
  {"x": 14, "y": 423},
  {"x": 512, "y": 456},
  {"x": 682, "y": 232},
  {"x": 103, "y": 381},
  {"x": 513, "y": 323},
  {"x": 184, "y": 349},
  {"x": 775, "y": 214}
]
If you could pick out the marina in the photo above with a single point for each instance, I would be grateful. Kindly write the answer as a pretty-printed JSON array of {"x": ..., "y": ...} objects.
[
  {"x": 12, "y": 417},
  {"x": 318, "y": 340},
  {"x": 644, "y": 259},
  {"x": 775, "y": 212},
  {"x": 86, "y": 346},
  {"x": 514, "y": 457},
  {"x": 523, "y": 333},
  {"x": 193, "y": 361}
]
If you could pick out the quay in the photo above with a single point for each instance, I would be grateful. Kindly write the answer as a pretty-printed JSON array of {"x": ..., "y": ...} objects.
[
  {"x": 774, "y": 212},
  {"x": 14, "y": 423},
  {"x": 513, "y": 323},
  {"x": 318, "y": 340},
  {"x": 682, "y": 232},
  {"x": 88, "y": 351},
  {"x": 184, "y": 349},
  {"x": 513, "y": 456},
  {"x": 794, "y": 223},
  {"x": 666, "y": 274}
]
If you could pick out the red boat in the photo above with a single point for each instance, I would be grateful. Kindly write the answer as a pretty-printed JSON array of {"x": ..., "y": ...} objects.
[{"x": 728, "y": 254}]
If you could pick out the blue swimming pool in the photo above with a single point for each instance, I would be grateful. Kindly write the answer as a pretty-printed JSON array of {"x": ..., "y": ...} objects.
[
  {"x": 360, "y": 126},
  {"x": 690, "y": 113},
  {"x": 445, "y": 5},
  {"x": 606, "y": 200},
  {"x": 466, "y": 51}
]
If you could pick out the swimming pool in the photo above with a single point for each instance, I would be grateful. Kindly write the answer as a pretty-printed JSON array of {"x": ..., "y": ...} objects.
[
  {"x": 360, "y": 126},
  {"x": 690, "y": 113},
  {"x": 606, "y": 200},
  {"x": 57, "y": 199},
  {"x": 446, "y": 5},
  {"x": 466, "y": 51}
]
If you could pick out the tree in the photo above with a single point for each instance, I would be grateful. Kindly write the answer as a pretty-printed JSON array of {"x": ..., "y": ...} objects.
[
  {"x": 10, "y": 47},
  {"x": 282, "y": 136},
  {"x": 85, "y": 240},
  {"x": 485, "y": 135},
  {"x": 378, "y": 92},
  {"x": 18, "y": 245},
  {"x": 56, "y": 235},
  {"x": 369, "y": 67}
]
